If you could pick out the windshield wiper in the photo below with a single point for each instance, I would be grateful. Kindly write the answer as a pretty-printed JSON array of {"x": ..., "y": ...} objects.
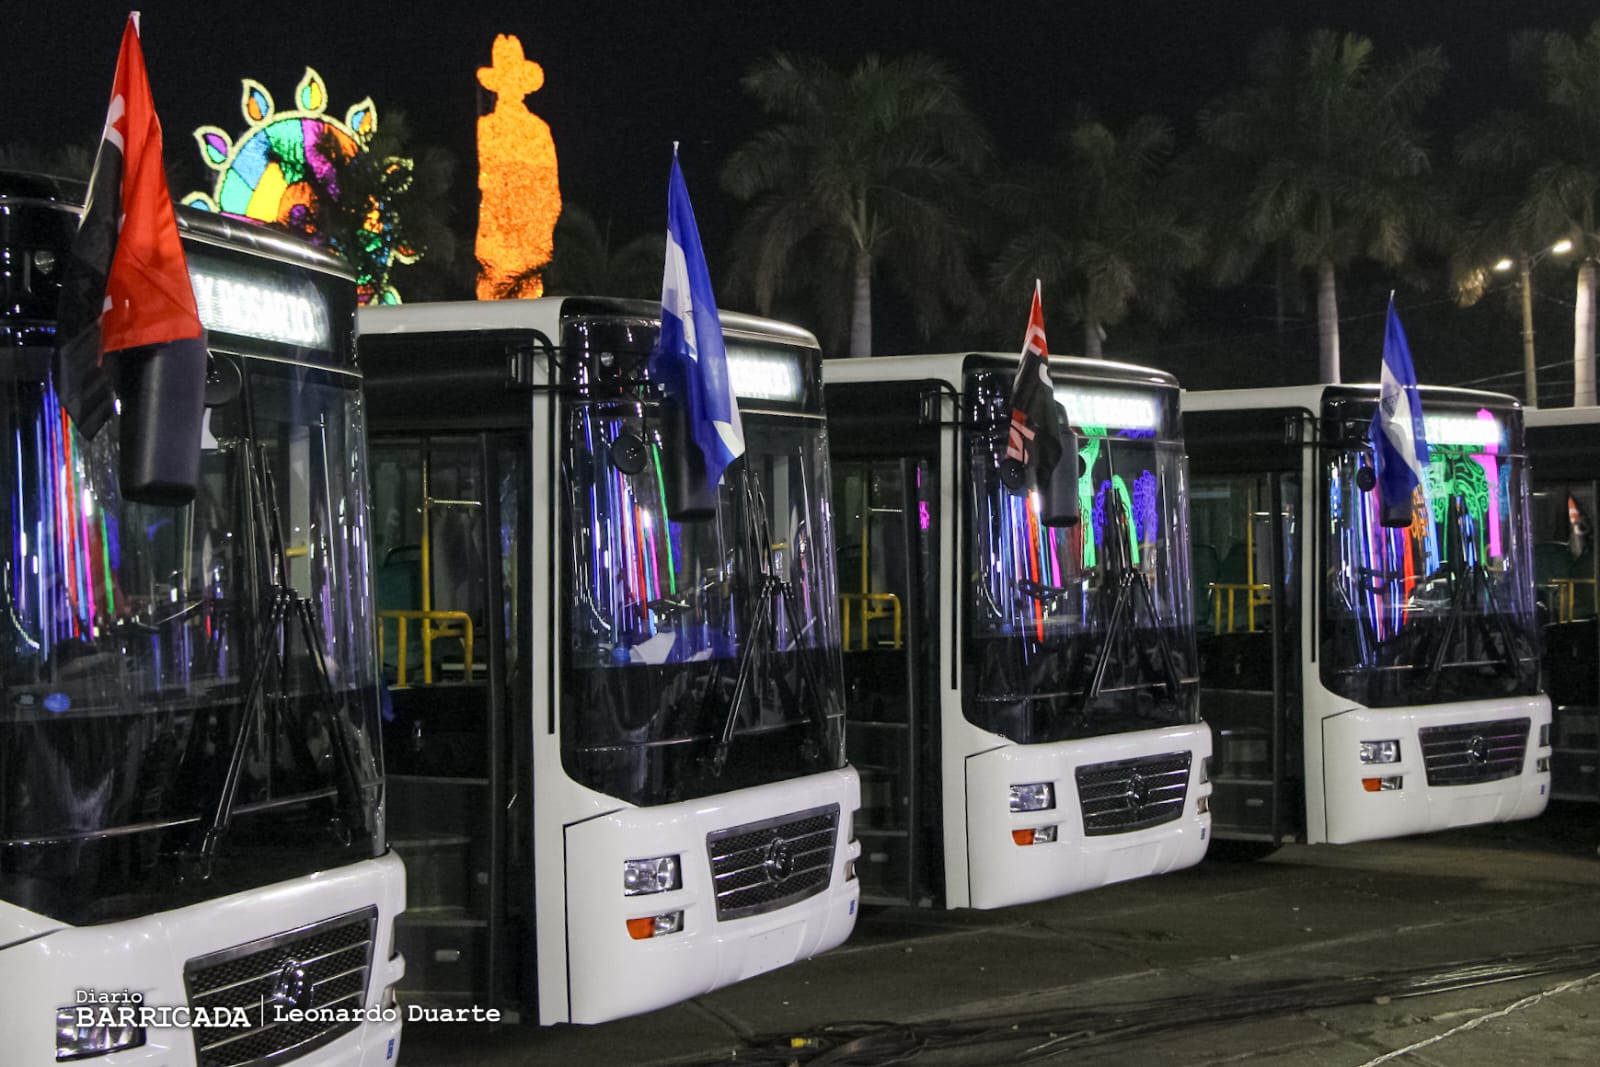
[
  {"x": 268, "y": 565},
  {"x": 1466, "y": 580},
  {"x": 768, "y": 589},
  {"x": 1126, "y": 584}
]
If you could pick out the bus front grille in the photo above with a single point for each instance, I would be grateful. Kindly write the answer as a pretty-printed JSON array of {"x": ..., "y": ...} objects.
[
  {"x": 322, "y": 968},
  {"x": 1471, "y": 752},
  {"x": 1133, "y": 794},
  {"x": 763, "y": 866}
]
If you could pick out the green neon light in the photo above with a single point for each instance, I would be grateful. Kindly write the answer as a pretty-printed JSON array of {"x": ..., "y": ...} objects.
[
  {"x": 1093, "y": 438},
  {"x": 666, "y": 525},
  {"x": 105, "y": 563},
  {"x": 1452, "y": 472},
  {"x": 1120, "y": 487}
]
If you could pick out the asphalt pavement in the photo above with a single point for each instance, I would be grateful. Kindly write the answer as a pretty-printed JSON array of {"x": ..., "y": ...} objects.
[{"x": 1478, "y": 946}]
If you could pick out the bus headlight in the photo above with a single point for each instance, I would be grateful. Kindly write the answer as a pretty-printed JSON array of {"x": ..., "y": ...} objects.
[
  {"x": 75, "y": 1041},
  {"x": 1033, "y": 796},
  {"x": 1380, "y": 752},
  {"x": 1544, "y": 735},
  {"x": 656, "y": 875}
]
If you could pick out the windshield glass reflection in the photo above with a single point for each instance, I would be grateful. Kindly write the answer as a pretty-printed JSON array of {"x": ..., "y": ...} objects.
[{"x": 1082, "y": 630}]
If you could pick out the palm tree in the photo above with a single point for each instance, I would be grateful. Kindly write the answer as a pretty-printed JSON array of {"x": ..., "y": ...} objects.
[
  {"x": 862, "y": 173},
  {"x": 1334, "y": 162},
  {"x": 1552, "y": 156},
  {"x": 584, "y": 260},
  {"x": 1097, "y": 230}
]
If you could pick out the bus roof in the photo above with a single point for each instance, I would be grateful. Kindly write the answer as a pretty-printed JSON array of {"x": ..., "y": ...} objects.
[
  {"x": 546, "y": 314},
  {"x": 205, "y": 227},
  {"x": 1309, "y": 397},
  {"x": 951, "y": 366}
]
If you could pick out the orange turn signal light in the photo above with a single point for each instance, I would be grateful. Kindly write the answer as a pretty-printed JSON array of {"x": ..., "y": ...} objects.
[
  {"x": 1022, "y": 837},
  {"x": 639, "y": 929}
]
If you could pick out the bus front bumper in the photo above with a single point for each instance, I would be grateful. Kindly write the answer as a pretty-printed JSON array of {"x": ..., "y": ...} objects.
[
  {"x": 1367, "y": 801},
  {"x": 140, "y": 964},
  {"x": 1011, "y": 861},
  {"x": 635, "y": 953}
]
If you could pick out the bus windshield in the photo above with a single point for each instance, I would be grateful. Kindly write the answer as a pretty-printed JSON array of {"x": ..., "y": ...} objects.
[
  {"x": 700, "y": 657},
  {"x": 1084, "y": 630},
  {"x": 189, "y": 697},
  {"x": 1441, "y": 610}
]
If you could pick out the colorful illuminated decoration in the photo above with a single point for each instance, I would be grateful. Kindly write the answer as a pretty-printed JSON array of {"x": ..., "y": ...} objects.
[
  {"x": 272, "y": 172},
  {"x": 521, "y": 195}
]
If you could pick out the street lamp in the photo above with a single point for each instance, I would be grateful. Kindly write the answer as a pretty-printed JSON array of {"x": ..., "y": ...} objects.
[{"x": 1530, "y": 373}]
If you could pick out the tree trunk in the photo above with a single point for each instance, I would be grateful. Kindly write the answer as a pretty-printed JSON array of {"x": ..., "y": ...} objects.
[
  {"x": 1583, "y": 337},
  {"x": 1091, "y": 339},
  {"x": 1280, "y": 281},
  {"x": 1327, "y": 324},
  {"x": 861, "y": 311}
]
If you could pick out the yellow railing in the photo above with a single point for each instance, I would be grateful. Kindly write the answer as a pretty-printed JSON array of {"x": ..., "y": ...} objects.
[
  {"x": 1256, "y": 596},
  {"x": 871, "y": 609},
  {"x": 433, "y": 625},
  {"x": 1565, "y": 599}
]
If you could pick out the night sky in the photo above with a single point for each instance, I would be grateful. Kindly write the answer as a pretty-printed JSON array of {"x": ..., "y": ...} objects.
[{"x": 625, "y": 78}]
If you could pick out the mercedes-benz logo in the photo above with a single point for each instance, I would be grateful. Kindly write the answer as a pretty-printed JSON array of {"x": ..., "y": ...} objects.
[
  {"x": 779, "y": 860},
  {"x": 1478, "y": 749},
  {"x": 293, "y": 989},
  {"x": 1138, "y": 790}
]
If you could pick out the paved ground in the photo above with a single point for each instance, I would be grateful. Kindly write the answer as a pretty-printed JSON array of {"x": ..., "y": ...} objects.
[{"x": 1475, "y": 947}]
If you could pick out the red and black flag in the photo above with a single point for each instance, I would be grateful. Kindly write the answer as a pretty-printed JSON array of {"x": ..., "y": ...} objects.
[
  {"x": 127, "y": 282},
  {"x": 1033, "y": 446},
  {"x": 1039, "y": 439}
]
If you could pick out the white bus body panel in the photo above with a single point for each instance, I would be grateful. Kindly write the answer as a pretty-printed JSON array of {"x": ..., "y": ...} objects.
[
  {"x": 1353, "y": 814},
  {"x": 614, "y": 975},
  {"x": 147, "y": 956},
  {"x": 1005, "y": 873},
  {"x": 1338, "y": 808}
]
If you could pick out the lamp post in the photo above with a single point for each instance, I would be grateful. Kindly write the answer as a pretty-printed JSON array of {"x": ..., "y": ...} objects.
[{"x": 1525, "y": 265}]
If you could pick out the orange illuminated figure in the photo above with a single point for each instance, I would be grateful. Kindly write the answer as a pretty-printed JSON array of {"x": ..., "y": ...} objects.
[{"x": 521, "y": 197}]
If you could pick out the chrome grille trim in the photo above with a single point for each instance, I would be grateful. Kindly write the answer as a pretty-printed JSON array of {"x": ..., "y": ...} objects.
[
  {"x": 1471, "y": 752},
  {"x": 335, "y": 959},
  {"x": 1122, "y": 796},
  {"x": 763, "y": 866}
]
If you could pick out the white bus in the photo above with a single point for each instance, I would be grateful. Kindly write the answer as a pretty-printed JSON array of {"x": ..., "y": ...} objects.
[
  {"x": 191, "y": 783},
  {"x": 616, "y": 761},
  {"x": 1564, "y": 450},
  {"x": 1022, "y": 699},
  {"x": 1363, "y": 681}
]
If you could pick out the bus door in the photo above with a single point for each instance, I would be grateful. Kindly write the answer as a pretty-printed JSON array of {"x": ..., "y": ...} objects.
[
  {"x": 1245, "y": 528},
  {"x": 886, "y": 527},
  {"x": 1565, "y": 572},
  {"x": 883, "y": 525},
  {"x": 446, "y": 512}
]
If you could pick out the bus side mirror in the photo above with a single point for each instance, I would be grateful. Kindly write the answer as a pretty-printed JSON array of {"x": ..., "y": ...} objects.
[
  {"x": 1396, "y": 515},
  {"x": 690, "y": 497},
  {"x": 162, "y": 392},
  {"x": 1058, "y": 496}
]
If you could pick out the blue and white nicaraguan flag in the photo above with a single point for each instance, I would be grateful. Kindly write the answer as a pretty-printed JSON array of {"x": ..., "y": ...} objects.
[
  {"x": 689, "y": 359},
  {"x": 1399, "y": 446}
]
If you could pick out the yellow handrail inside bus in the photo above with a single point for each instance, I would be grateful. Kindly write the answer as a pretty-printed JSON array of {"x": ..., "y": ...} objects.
[
  {"x": 873, "y": 606},
  {"x": 1257, "y": 597},
  {"x": 1565, "y": 607},
  {"x": 433, "y": 625}
]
